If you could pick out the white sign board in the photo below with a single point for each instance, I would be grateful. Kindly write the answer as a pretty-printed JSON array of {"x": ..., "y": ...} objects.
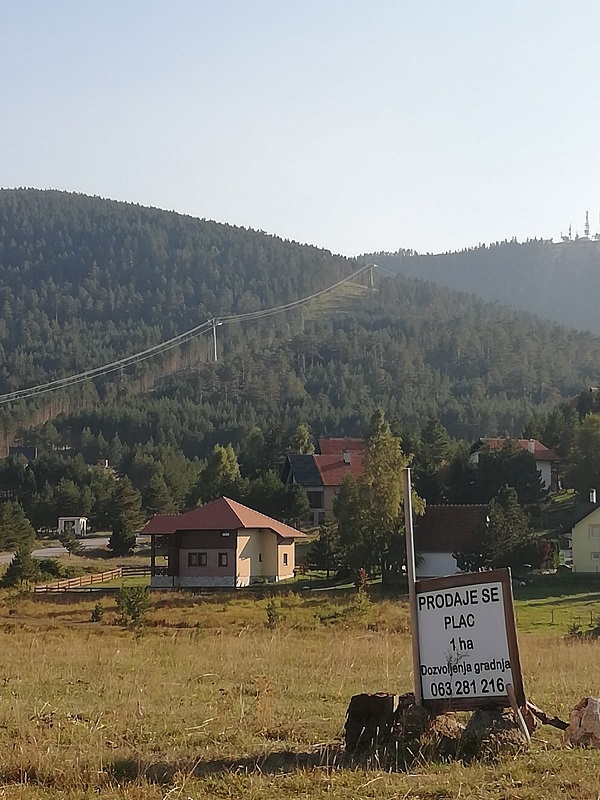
[{"x": 468, "y": 650}]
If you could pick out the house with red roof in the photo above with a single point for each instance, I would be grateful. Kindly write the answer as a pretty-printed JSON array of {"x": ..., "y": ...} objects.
[
  {"x": 441, "y": 532},
  {"x": 222, "y": 544},
  {"x": 321, "y": 474},
  {"x": 544, "y": 457},
  {"x": 333, "y": 447}
]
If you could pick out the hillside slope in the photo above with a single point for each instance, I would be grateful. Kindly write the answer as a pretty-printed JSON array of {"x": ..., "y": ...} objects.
[
  {"x": 84, "y": 281},
  {"x": 560, "y": 282}
]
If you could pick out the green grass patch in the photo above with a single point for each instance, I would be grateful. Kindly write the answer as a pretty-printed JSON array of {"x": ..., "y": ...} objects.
[{"x": 552, "y": 603}]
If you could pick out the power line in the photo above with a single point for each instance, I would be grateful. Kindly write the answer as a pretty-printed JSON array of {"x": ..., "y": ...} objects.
[{"x": 162, "y": 347}]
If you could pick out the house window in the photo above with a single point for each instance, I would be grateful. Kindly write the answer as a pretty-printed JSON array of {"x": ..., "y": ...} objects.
[
  {"x": 197, "y": 559},
  {"x": 315, "y": 499},
  {"x": 595, "y": 556},
  {"x": 285, "y": 559},
  {"x": 594, "y": 531},
  {"x": 223, "y": 559},
  {"x": 260, "y": 556}
]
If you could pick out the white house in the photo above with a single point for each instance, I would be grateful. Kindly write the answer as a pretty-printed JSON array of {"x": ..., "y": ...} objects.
[
  {"x": 78, "y": 524},
  {"x": 584, "y": 534},
  {"x": 440, "y": 533},
  {"x": 544, "y": 457}
]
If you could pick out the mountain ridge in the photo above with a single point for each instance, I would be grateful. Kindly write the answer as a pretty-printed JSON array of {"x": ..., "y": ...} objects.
[
  {"x": 558, "y": 281},
  {"x": 84, "y": 281}
]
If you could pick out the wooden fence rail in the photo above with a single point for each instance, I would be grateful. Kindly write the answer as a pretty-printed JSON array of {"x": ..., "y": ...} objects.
[
  {"x": 83, "y": 580},
  {"x": 135, "y": 571}
]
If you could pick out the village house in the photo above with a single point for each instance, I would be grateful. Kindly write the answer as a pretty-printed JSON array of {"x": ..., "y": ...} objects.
[
  {"x": 441, "y": 532},
  {"x": 583, "y": 535},
  {"x": 321, "y": 474},
  {"x": 544, "y": 457},
  {"x": 222, "y": 544}
]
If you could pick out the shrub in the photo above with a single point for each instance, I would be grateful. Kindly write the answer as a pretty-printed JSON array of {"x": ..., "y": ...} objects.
[
  {"x": 133, "y": 602},
  {"x": 273, "y": 614}
]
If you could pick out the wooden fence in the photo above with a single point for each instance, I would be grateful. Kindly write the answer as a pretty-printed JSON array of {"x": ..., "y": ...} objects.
[
  {"x": 133, "y": 571},
  {"x": 83, "y": 580}
]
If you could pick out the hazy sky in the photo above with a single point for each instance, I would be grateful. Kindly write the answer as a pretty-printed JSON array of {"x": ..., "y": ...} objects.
[{"x": 356, "y": 126}]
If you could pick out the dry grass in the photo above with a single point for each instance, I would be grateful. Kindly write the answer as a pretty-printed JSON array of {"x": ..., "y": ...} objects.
[{"x": 209, "y": 702}]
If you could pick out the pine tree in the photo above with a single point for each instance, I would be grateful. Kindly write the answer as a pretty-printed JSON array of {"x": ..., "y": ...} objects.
[
  {"x": 15, "y": 528},
  {"x": 127, "y": 517},
  {"x": 69, "y": 540},
  {"x": 325, "y": 552},
  {"x": 503, "y": 539},
  {"x": 24, "y": 568},
  {"x": 67, "y": 500},
  {"x": 156, "y": 497}
]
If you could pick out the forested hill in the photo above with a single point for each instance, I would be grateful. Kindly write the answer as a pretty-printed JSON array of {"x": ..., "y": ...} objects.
[
  {"x": 560, "y": 282},
  {"x": 84, "y": 281}
]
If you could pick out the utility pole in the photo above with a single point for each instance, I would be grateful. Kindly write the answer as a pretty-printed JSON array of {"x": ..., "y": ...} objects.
[
  {"x": 215, "y": 323},
  {"x": 371, "y": 275}
]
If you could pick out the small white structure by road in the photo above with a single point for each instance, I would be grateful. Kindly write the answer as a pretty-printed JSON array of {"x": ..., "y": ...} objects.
[{"x": 78, "y": 524}]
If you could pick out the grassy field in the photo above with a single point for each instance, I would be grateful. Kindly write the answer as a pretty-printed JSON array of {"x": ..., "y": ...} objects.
[{"x": 208, "y": 701}]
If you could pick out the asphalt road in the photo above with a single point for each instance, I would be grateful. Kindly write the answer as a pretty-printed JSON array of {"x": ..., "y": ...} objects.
[{"x": 87, "y": 543}]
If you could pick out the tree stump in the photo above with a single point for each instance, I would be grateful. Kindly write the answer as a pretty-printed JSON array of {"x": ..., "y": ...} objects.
[
  {"x": 584, "y": 724},
  {"x": 369, "y": 720}
]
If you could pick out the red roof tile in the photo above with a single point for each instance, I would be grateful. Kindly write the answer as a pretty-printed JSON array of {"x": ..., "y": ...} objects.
[
  {"x": 445, "y": 529},
  {"x": 332, "y": 468},
  {"x": 335, "y": 447},
  {"x": 540, "y": 451},
  {"x": 221, "y": 514}
]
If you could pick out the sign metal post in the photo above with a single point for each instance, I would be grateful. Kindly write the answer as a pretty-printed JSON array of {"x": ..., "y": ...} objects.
[{"x": 412, "y": 588}]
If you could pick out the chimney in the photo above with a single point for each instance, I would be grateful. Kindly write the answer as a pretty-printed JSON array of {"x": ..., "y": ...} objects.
[
  {"x": 593, "y": 496},
  {"x": 531, "y": 446},
  {"x": 346, "y": 456}
]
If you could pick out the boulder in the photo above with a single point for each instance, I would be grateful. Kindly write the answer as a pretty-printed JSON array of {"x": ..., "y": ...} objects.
[
  {"x": 584, "y": 724},
  {"x": 490, "y": 733}
]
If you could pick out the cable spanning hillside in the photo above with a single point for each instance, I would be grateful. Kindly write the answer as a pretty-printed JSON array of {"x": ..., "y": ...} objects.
[
  {"x": 84, "y": 281},
  {"x": 163, "y": 347}
]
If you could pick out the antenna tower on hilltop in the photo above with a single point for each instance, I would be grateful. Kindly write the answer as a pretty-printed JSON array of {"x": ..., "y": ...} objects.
[{"x": 586, "y": 228}]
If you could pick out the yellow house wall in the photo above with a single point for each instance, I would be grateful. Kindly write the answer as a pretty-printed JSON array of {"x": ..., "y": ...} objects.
[
  {"x": 583, "y": 546},
  {"x": 247, "y": 554},
  {"x": 286, "y": 571},
  {"x": 254, "y": 543}
]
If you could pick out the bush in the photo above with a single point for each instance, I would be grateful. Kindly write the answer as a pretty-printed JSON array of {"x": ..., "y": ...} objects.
[
  {"x": 133, "y": 602},
  {"x": 52, "y": 569},
  {"x": 273, "y": 614}
]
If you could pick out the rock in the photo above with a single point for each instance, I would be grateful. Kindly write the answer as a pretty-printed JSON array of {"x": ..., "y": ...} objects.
[
  {"x": 443, "y": 737},
  {"x": 584, "y": 724},
  {"x": 490, "y": 733}
]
